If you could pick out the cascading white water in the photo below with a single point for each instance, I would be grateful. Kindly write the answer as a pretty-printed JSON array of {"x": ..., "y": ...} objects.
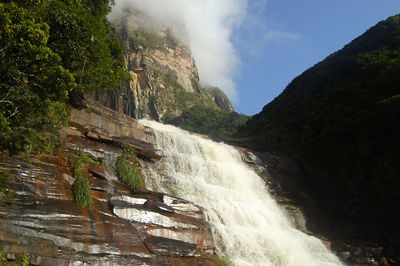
[{"x": 247, "y": 224}]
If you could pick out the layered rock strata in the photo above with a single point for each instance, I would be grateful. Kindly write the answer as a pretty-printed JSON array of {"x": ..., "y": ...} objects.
[{"x": 125, "y": 227}]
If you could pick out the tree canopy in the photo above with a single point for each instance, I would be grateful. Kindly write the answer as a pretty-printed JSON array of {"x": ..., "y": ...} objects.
[{"x": 47, "y": 50}]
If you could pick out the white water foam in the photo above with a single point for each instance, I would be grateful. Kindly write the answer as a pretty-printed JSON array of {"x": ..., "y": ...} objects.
[{"x": 248, "y": 226}]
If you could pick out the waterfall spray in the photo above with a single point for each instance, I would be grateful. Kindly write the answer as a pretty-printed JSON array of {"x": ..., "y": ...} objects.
[{"x": 247, "y": 225}]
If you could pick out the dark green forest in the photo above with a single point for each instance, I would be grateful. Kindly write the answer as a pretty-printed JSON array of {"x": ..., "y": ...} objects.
[
  {"x": 341, "y": 119},
  {"x": 50, "y": 50},
  {"x": 206, "y": 120}
]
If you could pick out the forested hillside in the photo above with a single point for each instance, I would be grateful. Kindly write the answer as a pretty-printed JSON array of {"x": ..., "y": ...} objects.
[
  {"x": 340, "y": 118},
  {"x": 210, "y": 121},
  {"x": 49, "y": 51}
]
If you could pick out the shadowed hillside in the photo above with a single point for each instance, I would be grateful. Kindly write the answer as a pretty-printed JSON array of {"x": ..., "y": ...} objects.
[{"x": 340, "y": 118}]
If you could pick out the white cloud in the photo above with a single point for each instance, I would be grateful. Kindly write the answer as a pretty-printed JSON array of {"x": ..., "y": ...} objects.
[{"x": 208, "y": 27}]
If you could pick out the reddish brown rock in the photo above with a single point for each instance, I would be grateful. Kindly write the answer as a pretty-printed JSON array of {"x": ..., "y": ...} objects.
[
  {"x": 169, "y": 247},
  {"x": 44, "y": 221},
  {"x": 104, "y": 125}
]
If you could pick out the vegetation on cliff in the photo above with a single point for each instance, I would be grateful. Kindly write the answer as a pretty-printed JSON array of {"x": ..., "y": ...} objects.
[
  {"x": 82, "y": 192},
  {"x": 152, "y": 40},
  {"x": 341, "y": 119},
  {"x": 49, "y": 49},
  {"x": 81, "y": 187},
  {"x": 220, "y": 99},
  {"x": 165, "y": 78},
  {"x": 209, "y": 121},
  {"x": 128, "y": 171},
  {"x": 5, "y": 193},
  {"x": 208, "y": 111}
]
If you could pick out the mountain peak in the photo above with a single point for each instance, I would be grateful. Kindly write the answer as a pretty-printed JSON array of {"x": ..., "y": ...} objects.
[{"x": 165, "y": 79}]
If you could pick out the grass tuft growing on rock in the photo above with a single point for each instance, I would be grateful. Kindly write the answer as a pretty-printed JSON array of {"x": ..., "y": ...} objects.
[
  {"x": 78, "y": 159},
  {"x": 25, "y": 260},
  {"x": 83, "y": 193},
  {"x": 5, "y": 193},
  {"x": 129, "y": 172},
  {"x": 81, "y": 187}
]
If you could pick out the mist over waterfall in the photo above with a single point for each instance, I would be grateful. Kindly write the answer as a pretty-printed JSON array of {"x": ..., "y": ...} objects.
[{"x": 248, "y": 226}]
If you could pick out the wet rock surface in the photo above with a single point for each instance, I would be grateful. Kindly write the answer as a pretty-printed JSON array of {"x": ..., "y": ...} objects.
[
  {"x": 124, "y": 227},
  {"x": 169, "y": 247}
]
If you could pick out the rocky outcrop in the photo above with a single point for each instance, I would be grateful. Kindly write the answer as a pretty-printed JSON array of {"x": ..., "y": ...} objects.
[
  {"x": 104, "y": 125},
  {"x": 221, "y": 100},
  {"x": 164, "y": 75},
  {"x": 124, "y": 227}
]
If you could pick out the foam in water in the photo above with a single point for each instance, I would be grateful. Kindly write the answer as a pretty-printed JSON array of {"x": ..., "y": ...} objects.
[{"x": 248, "y": 226}]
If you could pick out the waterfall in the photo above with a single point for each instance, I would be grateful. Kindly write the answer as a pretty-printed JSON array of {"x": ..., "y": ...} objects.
[{"x": 248, "y": 226}]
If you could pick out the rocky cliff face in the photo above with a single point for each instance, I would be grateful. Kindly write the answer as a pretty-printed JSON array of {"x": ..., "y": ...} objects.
[
  {"x": 164, "y": 75},
  {"x": 124, "y": 227}
]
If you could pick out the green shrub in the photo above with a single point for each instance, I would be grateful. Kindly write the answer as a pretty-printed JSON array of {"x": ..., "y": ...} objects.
[
  {"x": 81, "y": 188},
  {"x": 25, "y": 260},
  {"x": 5, "y": 193},
  {"x": 79, "y": 161},
  {"x": 129, "y": 172},
  {"x": 83, "y": 193},
  {"x": 80, "y": 158}
]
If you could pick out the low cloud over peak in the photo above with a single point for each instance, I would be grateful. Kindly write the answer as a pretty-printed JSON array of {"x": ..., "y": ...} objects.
[{"x": 207, "y": 25}]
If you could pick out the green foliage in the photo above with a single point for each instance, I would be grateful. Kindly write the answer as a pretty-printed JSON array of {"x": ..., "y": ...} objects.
[
  {"x": 33, "y": 83},
  {"x": 341, "y": 119},
  {"x": 48, "y": 49},
  {"x": 185, "y": 99},
  {"x": 152, "y": 40},
  {"x": 200, "y": 113},
  {"x": 81, "y": 188},
  {"x": 5, "y": 193},
  {"x": 86, "y": 42},
  {"x": 210, "y": 121},
  {"x": 79, "y": 159},
  {"x": 21, "y": 259},
  {"x": 175, "y": 98},
  {"x": 220, "y": 99},
  {"x": 129, "y": 172},
  {"x": 25, "y": 260},
  {"x": 82, "y": 192}
]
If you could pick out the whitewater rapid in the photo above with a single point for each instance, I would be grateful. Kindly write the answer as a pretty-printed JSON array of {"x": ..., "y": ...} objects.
[{"x": 247, "y": 225}]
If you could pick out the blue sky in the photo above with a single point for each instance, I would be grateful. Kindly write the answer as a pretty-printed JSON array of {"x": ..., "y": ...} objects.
[{"x": 280, "y": 39}]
